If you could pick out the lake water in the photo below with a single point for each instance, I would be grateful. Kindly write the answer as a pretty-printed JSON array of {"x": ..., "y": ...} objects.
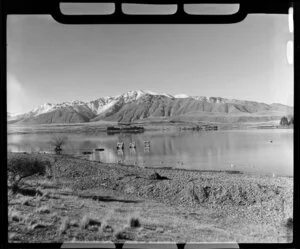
[{"x": 244, "y": 150}]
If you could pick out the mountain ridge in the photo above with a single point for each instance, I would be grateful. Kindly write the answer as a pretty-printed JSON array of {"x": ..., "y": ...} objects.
[{"x": 144, "y": 104}]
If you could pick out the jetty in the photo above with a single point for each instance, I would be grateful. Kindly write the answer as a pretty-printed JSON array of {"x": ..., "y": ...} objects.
[{"x": 125, "y": 128}]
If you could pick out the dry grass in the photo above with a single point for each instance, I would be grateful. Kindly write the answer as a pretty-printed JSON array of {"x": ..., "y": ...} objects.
[
  {"x": 120, "y": 210},
  {"x": 65, "y": 223},
  {"x": 40, "y": 224},
  {"x": 23, "y": 200},
  {"x": 123, "y": 235},
  {"x": 289, "y": 223},
  {"x": 73, "y": 223},
  {"x": 113, "y": 220},
  {"x": 86, "y": 221},
  {"x": 14, "y": 215},
  {"x": 45, "y": 183},
  {"x": 46, "y": 195},
  {"x": 106, "y": 228},
  {"x": 134, "y": 222},
  {"x": 43, "y": 210},
  {"x": 26, "y": 201}
]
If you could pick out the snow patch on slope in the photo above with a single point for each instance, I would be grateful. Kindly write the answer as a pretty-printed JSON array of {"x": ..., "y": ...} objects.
[{"x": 181, "y": 96}]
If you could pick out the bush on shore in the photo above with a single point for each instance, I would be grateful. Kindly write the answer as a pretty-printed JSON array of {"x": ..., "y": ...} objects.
[
  {"x": 285, "y": 122},
  {"x": 57, "y": 142},
  {"x": 22, "y": 166}
]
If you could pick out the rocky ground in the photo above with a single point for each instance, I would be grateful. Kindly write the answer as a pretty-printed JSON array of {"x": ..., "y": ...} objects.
[{"x": 92, "y": 201}]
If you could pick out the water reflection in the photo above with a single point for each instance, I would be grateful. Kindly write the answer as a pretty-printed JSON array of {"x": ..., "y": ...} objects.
[{"x": 246, "y": 150}]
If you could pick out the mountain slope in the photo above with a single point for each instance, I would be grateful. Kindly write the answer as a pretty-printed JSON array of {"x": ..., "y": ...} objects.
[{"x": 143, "y": 104}]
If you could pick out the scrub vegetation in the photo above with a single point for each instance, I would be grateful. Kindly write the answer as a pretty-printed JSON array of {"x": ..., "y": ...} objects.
[{"x": 93, "y": 201}]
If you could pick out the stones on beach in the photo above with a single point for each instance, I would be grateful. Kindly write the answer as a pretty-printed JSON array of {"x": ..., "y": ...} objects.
[{"x": 87, "y": 152}]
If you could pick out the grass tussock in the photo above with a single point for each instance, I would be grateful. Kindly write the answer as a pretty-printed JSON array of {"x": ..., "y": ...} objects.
[
  {"x": 46, "y": 183},
  {"x": 43, "y": 210},
  {"x": 46, "y": 196},
  {"x": 120, "y": 210},
  {"x": 40, "y": 224},
  {"x": 124, "y": 235},
  {"x": 289, "y": 223},
  {"x": 12, "y": 236},
  {"x": 14, "y": 215},
  {"x": 23, "y": 200},
  {"x": 86, "y": 221},
  {"x": 27, "y": 218},
  {"x": 65, "y": 223},
  {"x": 134, "y": 222},
  {"x": 26, "y": 201},
  {"x": 73, "y": 223},
  {"x": 106, "y": 228}
]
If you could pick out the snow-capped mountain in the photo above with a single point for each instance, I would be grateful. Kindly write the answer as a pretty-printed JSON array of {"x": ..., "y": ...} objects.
[
  {"x": 145, "y": 104},
  {"x": 103, "y": 104},
  {"x": 49, "y": 107}
]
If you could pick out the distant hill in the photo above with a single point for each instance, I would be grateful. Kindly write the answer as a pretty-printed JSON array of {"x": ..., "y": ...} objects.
[{"x": 146, "y": 105}]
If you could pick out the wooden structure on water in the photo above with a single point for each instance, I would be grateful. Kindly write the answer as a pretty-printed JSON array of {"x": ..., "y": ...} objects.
[
  {"x": 200, "y": 128},
  {"x": 146, "y": 143},
  {"x": 132, "y": 145},
  {"x": 120, "y": 146},
  {"x": 124, "y": 129}
]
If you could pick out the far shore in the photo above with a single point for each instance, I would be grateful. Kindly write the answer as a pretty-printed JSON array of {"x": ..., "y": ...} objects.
[
  {"x": 159, "y": 126},
  {"x": 170, "y": 205}
]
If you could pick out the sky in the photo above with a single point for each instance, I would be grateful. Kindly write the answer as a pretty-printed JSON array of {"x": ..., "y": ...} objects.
[{"x": 52, "y": 62}]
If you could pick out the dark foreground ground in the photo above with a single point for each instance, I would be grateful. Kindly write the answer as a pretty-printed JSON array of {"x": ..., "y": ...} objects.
[{"x": 92, "y": 201}]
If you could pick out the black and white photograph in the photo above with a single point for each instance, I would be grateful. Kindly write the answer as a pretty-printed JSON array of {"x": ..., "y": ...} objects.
[{"x": 150, "y": 132}]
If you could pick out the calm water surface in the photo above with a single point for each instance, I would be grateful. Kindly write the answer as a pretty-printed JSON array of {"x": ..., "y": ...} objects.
[{"x": 250, "y": 150}]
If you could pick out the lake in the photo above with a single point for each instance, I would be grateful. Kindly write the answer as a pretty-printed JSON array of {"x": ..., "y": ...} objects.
[{"x": 265, "y": 151}]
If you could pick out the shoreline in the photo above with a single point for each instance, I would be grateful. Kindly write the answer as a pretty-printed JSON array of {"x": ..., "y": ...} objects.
[
  {"x": 221, "y": 199},
  {"x": 227, "y": 171},
  {"x": 101, "y": 127}
]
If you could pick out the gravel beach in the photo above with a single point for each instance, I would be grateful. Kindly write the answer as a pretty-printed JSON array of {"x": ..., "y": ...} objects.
[{"x": 180, "y": 205}]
